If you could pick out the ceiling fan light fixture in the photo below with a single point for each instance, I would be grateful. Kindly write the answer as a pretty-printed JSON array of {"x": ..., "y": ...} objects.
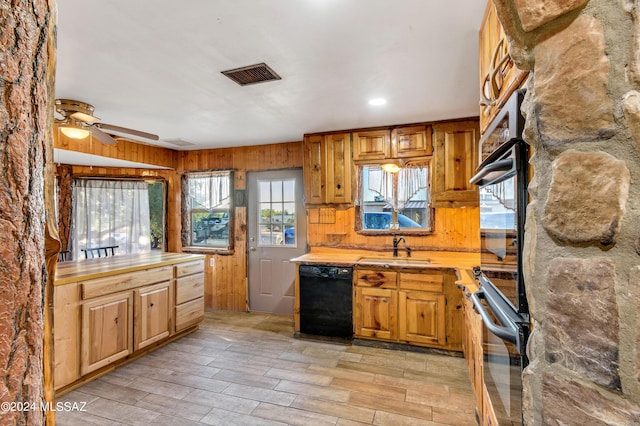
[{"x": 74, "y": 132}]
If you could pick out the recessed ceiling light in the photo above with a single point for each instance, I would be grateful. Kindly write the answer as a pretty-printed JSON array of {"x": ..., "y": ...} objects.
[{"x": 377, "y": 101}]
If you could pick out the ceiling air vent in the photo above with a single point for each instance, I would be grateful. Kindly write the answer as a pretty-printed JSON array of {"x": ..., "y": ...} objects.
[
  {"x": 258, "y": 73},
  {"x": 178, "y": 142}
]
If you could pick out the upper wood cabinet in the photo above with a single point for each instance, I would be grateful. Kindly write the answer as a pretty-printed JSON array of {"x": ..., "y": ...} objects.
[
  {"x": 371, "y": 145},
  {"x": 456, "y": 146},
  {"x": 339, "y": 165},
  {"x": 413, "y": 141},
  {"x": 398, "y": 142},
  {"x": 328, "y": 169},
  {"x": 314, "y": 169},
  {"x": 499, "y": 76}
]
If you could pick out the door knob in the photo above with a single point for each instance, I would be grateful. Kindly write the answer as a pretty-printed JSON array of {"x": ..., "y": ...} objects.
[{"x": 252, "y": 249}]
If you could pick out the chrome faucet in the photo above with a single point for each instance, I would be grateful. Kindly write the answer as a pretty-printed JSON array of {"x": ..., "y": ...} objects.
[{"x": 396, "y": 241}]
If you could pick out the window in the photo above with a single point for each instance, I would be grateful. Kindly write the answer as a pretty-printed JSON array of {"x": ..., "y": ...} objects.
[
  {"x": 207, "y": 201},
  {"x": 277, "y": 217},
  {"x": 389, "y": 202},
  {"x": 114, "y": 213}
]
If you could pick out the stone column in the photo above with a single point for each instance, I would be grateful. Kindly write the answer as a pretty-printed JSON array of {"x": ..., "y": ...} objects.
[
  {"x": 582, "y": 243},
  {"x": 25, "y": 126}
]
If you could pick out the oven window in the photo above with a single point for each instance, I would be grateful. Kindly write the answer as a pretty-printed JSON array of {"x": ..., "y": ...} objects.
[{"x": 498, "y": 221}]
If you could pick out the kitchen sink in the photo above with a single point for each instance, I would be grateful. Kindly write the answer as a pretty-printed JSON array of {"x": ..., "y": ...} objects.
[{"x": 394, "y": 262}]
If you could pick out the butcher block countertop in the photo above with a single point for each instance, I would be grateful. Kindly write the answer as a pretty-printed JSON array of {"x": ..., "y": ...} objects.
[
  {"x": 461, "y": 262},
  {"x": 68, "y": 272}
]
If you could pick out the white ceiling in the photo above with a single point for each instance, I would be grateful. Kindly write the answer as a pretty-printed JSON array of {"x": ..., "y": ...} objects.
[{"x": 155, "y": 65}]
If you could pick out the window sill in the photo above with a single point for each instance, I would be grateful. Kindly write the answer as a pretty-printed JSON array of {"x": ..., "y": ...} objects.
[
  {"x": 400, "y": 231},
  {"x": 224, "y": 251}
]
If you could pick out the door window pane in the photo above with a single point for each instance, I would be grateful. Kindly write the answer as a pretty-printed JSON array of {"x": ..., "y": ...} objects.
[{"x": 277, "y": 216}]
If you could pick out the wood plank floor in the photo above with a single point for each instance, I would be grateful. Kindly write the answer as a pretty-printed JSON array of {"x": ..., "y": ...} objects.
[{"x": 247, "y": 369}]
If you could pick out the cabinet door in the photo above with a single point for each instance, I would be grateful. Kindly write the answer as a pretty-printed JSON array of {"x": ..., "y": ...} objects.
[
  {"x": 376, "y": 313},
  {"x": 339, "y": 165},
  {"x": 371, "y": 145},
  {"x": 107, "y": 330},
  {"x": 414, "y": 141},
  {"x": 422, "y": 318},
  {"x": 314, "y": 169},
  {"x": 456, "y": 147},
  {"x": 499, "y": 77},
  {"x": 152, "y": 314}
]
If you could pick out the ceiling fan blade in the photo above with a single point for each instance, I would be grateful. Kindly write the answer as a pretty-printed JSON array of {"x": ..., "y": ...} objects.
[
  {"x": 102, "y": 136},
  {"x": 87, "y": 118},
  {"x": 118, "y": 129}
]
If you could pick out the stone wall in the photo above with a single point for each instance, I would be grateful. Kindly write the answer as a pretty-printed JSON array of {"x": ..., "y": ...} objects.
[
  {"x": 25, "y": 80},
  {"x": 582, "y": 244}
]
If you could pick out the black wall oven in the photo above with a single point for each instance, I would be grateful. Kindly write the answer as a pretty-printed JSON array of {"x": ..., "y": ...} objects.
[{"x": 501, "y": 299}]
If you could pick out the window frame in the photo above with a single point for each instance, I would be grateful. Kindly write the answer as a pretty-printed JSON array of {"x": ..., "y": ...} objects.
[
  {"x": 187, "y": 233},
  {"x": 358, "y": 223}
]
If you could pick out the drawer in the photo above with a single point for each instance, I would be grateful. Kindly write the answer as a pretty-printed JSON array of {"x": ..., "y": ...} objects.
[
  {"x": 424, "y": 281},
  {"x": 190, "y": 313},
  {"x": 189, "y": 268},
  {"x": 122, "y": 282},
  {"x": 189, "y": 288},
  {"x": 375, "y": 278}
]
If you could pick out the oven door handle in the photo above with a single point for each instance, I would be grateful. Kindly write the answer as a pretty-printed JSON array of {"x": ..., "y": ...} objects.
[
  {"x": 508, "y": 333},
  {"x": 503, "y": 165}
]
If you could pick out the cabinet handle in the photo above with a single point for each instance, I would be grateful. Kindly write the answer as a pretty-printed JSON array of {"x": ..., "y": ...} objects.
[
  {"x": 151, "y": 305},
  {"x": 338, "y": 186},
  {"x": 115, "y": 320}
]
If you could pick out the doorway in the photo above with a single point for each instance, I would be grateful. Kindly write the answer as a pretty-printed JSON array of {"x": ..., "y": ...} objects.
[{"x": 277, "y": 228}]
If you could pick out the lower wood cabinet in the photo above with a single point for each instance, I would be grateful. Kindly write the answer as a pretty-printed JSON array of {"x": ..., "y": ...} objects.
[
  {"x": 152, "y": 312},
  {"x": 189, "y": 294},
  {"x": 422, "y": 318},
  {"x": 107, "y": 331},
  {"x": 189, "y": 313},
  {"x": 376, "y": 313},
  {"x": 100, "y": 321},
  {"x": 417, "y": 307}
]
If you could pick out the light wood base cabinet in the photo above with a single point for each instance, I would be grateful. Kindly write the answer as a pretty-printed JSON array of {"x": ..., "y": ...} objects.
[
  {"x": 152, "y": 314},
  {"x": 106, "y": 319},
  {"x": 107, "y": 331},
  {"x": 189, "y": 294}
]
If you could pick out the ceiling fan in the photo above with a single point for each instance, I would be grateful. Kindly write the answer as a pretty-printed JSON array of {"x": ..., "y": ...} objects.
[{"x": 78, "y": 122}]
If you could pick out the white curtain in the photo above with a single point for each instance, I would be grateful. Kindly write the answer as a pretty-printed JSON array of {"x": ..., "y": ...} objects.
[
  {"x": 110, "y": 213},
  {"x": 410, "y": 180},
  {"x": 209, "y": 190}
]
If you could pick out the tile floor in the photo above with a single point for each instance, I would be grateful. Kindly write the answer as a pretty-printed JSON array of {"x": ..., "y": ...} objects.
[{"x": 247, "y": 369}]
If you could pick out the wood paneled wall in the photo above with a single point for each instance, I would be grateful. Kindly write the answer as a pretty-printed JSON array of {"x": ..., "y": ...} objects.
[
  {"x": 123, "y": 150},
  {"x": 454, "y": 229},
  {"x": 226, "y": 281}
]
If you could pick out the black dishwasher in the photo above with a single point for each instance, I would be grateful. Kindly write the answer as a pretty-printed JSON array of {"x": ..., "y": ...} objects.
[{"x": 326, "y": 301}]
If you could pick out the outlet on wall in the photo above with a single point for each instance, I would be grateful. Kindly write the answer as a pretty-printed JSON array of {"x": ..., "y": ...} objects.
[{"x": 212, "y": 262}]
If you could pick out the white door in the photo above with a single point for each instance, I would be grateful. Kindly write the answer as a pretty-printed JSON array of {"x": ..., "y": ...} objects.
[{"x": 277, "y": 227}]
